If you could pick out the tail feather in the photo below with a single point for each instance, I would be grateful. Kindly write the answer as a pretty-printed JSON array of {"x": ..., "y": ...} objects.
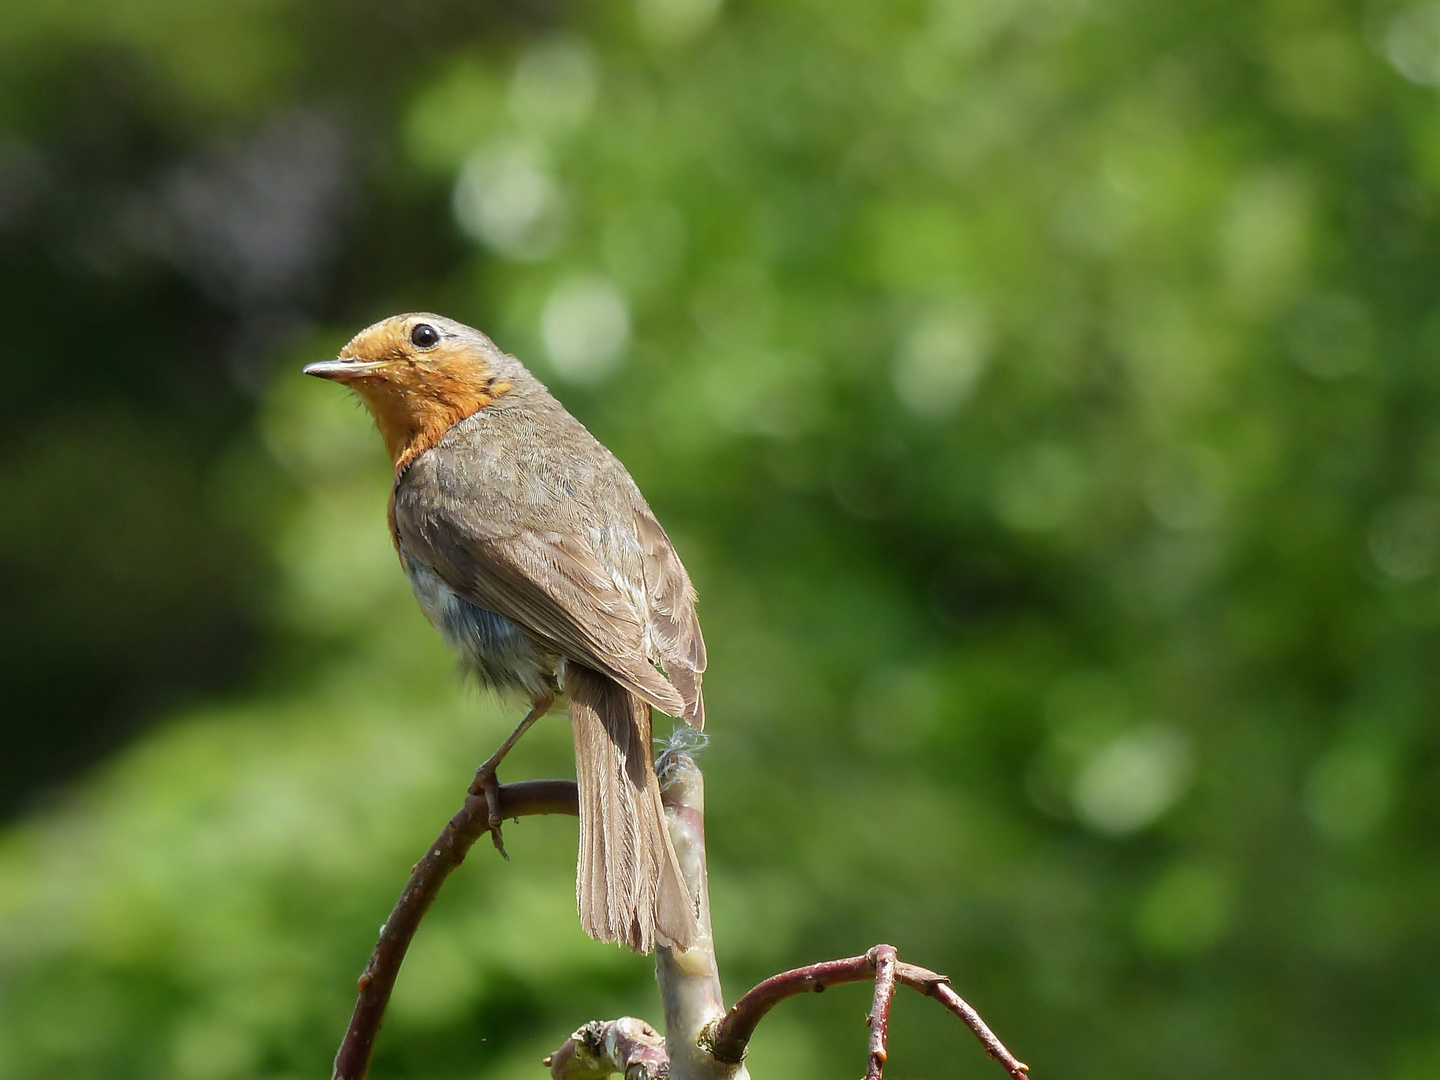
[{"x": 628, "y": 881}]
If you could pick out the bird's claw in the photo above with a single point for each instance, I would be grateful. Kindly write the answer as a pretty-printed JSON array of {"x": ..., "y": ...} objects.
[{"x": 486, "y": 784}]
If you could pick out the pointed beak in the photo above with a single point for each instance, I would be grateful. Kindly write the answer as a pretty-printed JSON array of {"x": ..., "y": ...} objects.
[{"x": 341, "y": 369}]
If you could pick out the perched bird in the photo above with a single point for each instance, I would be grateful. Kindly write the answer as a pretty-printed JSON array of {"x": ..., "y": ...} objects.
[{"x": 533, "y": 553}]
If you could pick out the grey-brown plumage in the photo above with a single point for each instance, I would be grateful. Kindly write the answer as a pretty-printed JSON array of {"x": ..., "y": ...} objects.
[
  {"x": 531, "y": 549},
  {"x": 522, "y": 511},
  {"x": 627, "y": 867}
]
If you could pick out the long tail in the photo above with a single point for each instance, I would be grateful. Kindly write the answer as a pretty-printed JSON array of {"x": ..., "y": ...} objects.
[{"x": 628, "y": 881}]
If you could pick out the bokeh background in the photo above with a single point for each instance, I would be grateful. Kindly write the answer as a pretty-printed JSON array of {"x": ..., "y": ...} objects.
[{"x": 1043, "y": 394}]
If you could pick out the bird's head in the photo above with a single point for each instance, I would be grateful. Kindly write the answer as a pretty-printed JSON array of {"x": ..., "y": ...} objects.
[{"x": 419, "y": 374}]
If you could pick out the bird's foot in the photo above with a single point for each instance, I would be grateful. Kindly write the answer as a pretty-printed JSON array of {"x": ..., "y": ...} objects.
[{"x": 486, "y": 783}]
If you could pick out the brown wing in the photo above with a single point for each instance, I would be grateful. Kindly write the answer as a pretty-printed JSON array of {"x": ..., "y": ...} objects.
[
  {"x": 523, "y": 513},
  {"x": 674, "y": 630},
  {"x": 552, "y": 586}
]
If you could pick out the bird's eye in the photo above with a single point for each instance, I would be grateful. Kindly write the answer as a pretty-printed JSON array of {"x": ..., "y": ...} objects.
[{"x": 424, "y": 336}]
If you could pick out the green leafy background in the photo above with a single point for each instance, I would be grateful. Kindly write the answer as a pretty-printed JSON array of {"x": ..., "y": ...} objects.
[{"x": 1042, "y": 394}]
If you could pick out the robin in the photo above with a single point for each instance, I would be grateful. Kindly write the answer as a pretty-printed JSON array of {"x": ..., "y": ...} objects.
[{"x": 533, "y": 553}]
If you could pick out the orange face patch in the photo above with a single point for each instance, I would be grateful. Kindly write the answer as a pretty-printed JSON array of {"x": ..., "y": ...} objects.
[{"x": 417, "y": 394}]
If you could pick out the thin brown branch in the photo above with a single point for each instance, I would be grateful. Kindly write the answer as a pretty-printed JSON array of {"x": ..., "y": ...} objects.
[
  {"x": 942, "y": 993},
  {"x": 522, "y": 799},
  {"x": 728, "y": 1037},
  {"x": 879, "y": 1018}
]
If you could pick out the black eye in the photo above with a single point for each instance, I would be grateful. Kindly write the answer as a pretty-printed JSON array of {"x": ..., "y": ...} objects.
[{"x": 424, "y": 336}]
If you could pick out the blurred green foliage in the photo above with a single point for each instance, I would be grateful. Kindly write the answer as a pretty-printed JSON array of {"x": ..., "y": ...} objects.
[{"x": 1041, "y": 392}]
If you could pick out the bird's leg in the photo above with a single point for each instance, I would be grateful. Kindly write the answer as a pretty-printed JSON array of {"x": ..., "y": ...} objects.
[{"x": 485, "y": 782}]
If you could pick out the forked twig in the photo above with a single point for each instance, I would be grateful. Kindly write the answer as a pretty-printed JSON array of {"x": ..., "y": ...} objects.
[
  {"x": 628, "y": 1045},
  {"x": 523, "y": 799},
  {"x": 729, "y": 1036}
]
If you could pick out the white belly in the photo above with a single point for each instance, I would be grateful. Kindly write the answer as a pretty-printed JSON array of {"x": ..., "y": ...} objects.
[{"x": 501, "y": 654}]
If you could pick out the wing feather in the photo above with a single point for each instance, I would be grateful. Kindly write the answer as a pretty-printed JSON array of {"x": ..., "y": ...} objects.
[
  {"x": 674, "y": 629},
  {"x": 579, "y": 562}
]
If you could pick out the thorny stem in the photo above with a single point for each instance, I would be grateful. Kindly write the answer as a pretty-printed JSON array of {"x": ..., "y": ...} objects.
[
  {"x": 523, "y": 799},
  {"x": 879, "y": 1018}
]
